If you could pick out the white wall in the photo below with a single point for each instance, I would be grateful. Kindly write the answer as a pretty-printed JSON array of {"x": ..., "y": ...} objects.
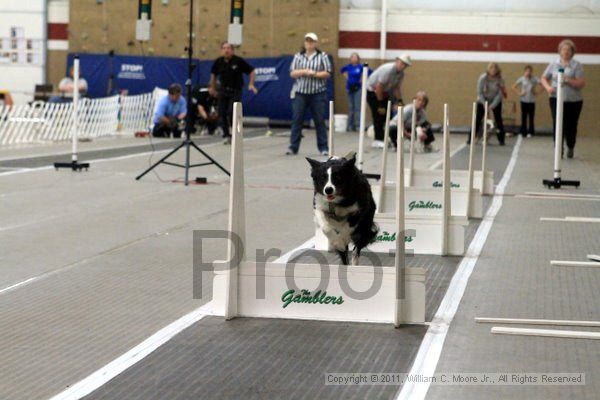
[{"x": 20, "y": 77}]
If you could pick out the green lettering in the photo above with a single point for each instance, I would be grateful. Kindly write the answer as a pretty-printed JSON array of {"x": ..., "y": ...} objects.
[{"x": 287, "y": 297}]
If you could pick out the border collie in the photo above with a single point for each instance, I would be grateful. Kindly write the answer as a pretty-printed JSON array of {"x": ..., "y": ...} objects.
[{"x": 344, "y": 205}]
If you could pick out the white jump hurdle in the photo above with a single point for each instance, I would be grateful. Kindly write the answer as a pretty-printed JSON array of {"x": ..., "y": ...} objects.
[
  {"x": 424, "y": 198},
  {"x": 311, "y": 291},
  {"x": 482, "y": 180}
]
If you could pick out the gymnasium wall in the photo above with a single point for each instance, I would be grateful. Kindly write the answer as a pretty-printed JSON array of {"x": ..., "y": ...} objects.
[{"x": 451, "y": 47}]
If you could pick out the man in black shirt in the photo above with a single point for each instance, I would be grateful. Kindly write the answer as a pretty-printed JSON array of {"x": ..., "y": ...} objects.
[
  {"x": 228, "y": 70},
  {"x": 205, "y": 108}
]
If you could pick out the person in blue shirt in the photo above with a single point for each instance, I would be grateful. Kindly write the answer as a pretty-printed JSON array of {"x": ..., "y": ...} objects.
[
  {"x": 171, "y": 110},
  {"x": 353, "y": 74}
]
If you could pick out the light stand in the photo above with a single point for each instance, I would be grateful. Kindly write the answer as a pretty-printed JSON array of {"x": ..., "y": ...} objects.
[
  {"x": 557, "y": 182},
  {"x": 189, "y": 121}
]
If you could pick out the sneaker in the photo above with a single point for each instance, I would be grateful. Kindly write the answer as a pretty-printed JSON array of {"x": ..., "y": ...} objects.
[
  {"x": 290, "y": 152},
  {"x": 427, "y": 148},
  {"x": 377, "y": 144},
  {"x": 529, "y": 135},
  {"x": 570, "y": 152},
  {"x": 324, "y": 153},
  {"x": 227, "y": 140}
]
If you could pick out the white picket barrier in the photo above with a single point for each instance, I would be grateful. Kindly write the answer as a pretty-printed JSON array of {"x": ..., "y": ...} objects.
[
  {"x": 42, "y": 122},
  {"x": 297, "y": 291}
]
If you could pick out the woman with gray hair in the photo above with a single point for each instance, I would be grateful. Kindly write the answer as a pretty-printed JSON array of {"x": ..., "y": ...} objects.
[
  {"x": 490, "y": 89},
  {"x": 574, "y": 82}
]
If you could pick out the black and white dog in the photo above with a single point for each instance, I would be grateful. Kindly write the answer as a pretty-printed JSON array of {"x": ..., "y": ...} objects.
[{"x": 344, "y": 205}]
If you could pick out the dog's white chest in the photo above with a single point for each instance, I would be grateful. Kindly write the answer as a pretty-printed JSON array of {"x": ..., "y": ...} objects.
[{"x": 333, "y": 221}]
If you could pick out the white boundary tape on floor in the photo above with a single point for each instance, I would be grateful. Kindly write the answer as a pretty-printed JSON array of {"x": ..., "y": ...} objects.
[
  {"x": 571, "y": 219},
  {"x": 555, "y": 197},
  {"x": 526, "y": 321},
  {"x": 136, "y": 354},
  {"x": 431, "y": 347},
  {"x": 555, "y": 194},
  {"x": 557, "y": 333}
]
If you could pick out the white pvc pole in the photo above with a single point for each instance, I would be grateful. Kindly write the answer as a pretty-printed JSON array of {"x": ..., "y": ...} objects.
[
  {"x": 383, "y": 30},
  {"x": 558, "y": 140},
  {"x": 75, "y": 113},
  {"x": 413, "y": 127},
  {"x": 471, "y": 146},
  {"x": 363, "y": 109},
  {"x": 331, "y": 128},
  {"x": 382, "y": 177},
  {"x": 484, "y": 150},
  {"x": 237, "y": 213},
  {"x": 400, "y": 303},
  {"x": 446, "y": 205}
]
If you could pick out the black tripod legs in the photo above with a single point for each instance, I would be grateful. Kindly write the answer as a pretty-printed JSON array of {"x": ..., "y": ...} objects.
[{"x": 137, "y": 178}]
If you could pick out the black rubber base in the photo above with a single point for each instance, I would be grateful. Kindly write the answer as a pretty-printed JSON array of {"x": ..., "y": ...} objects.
[
  {"x": 74, "y": 165},
  {"x": 372, "y": 176},
  {"x": 557, "y": 183}
]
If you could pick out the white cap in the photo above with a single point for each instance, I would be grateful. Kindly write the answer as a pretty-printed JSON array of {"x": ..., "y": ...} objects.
[
  {"x": 405, "y": 58},
  {"x": 312, "y": 36}
]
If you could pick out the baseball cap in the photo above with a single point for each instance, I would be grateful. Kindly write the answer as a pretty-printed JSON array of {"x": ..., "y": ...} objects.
[
  {"x": 405, "y": 58},
  {"x": 312, "y": 36}
]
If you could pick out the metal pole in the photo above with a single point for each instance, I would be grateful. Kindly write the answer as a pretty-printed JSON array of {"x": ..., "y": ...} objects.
[
  {"x": 383, "y": 32},
  {"x": 363, "y": 109}
]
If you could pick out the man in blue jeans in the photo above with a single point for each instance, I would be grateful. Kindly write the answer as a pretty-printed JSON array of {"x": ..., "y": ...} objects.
[{"x": 310, "y": 68}]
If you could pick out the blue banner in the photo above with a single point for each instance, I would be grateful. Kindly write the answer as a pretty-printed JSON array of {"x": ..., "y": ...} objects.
[{"x": 138, "y": 74}]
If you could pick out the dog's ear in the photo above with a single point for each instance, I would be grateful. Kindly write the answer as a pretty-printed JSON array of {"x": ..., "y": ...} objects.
[
  {"x": 313, "y": 163},
  {"x": 350, "y": 162}
]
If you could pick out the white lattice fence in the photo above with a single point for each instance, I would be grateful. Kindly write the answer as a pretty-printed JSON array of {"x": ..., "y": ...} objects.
[{"x": 40, "y": 121}]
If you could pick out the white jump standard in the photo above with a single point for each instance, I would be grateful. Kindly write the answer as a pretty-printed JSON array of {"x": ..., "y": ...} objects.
[
  {"x": 75, "y": 165},
  {"x": 310, "y": 291}
]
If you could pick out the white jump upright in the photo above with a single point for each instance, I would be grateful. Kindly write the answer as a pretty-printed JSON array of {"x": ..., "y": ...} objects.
[
  {"x": 411, "y": 156},
  {"x": 331, "y": 128},
  {"x": 363, "y": 111},
  {"x": 75, "y": 165},
  {"x": 363, "y": 293},
  {"x": 557, "y": 180},
  {"x": 447, "y": 199},
  {"x": 237, "y": 213},
  {"x": 484, "y": 146},
  {"x": 400, "y": 199},
  {"x": 386, "y": 141},
  {"x": 471, "y": 145}
]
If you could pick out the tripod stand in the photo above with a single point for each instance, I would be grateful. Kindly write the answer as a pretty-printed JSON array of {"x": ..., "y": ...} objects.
[{"x": 189, "y": 122}]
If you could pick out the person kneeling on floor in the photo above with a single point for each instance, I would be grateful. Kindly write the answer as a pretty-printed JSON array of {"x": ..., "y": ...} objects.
[
  {"x": 171, "y": 110},
  {"x": 424, "y": 134}
]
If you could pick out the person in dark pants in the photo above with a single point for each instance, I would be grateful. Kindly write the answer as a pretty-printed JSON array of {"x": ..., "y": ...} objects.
[
  {"x": 353, "y": 74},
  {"x": 573, "y": 83},
  {"x": 205, "y": 112},
  {"x": 310, "y": 68},
  {"x": 385, "y": 84},
  {"x": 526, "y": 92},
  {"x": 170, "y": 111},
  {"x": 490, "y": 88},
  {"x": 228, "y": 71}
]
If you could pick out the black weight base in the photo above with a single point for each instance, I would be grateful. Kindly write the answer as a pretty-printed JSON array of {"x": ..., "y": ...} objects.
[
  {"x": 73, "y": 165},
  {"x": 557, "y": 183}
]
